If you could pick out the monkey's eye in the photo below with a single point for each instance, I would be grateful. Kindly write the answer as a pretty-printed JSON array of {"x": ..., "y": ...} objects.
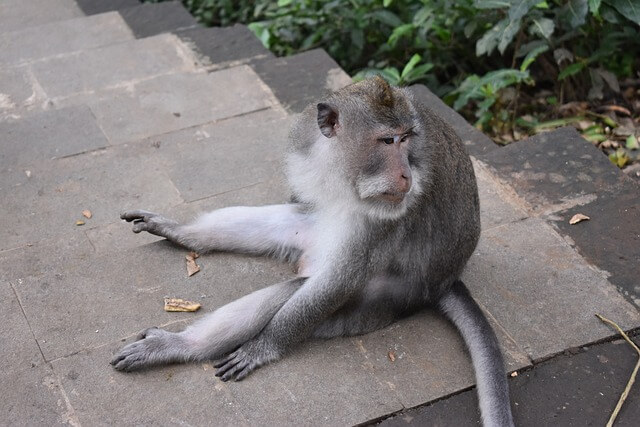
[
  {"x": 404, "y": 137},
  {"x": 387, "y": 141}
]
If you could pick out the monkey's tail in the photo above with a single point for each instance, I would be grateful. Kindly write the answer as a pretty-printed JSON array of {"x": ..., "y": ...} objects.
[{"x": 493, "y": 391}]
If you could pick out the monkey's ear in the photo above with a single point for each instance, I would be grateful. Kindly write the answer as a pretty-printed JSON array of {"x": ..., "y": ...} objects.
[{"x": 327, "y": 119}]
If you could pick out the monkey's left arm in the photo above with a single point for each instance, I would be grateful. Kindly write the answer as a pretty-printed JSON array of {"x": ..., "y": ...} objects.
[{"x": 317, "y": 299}]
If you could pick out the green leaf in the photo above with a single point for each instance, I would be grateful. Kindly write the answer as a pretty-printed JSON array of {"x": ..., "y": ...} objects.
[
  {"x": 399, "y": 32},
  {"x": 571, "y": 70},
  {"x": 542, "y": 26},
  {"x": 387, "y": 17},
  {"x": 619, "y": 157},
  {"x": 411, "y": 64},
  {"x": 574, "y": 13},
  {"x": 520, "y": 8},
  {"x": 632, "y": 142},
  {"x": 261, "y": 30},
  {"x": 387, "y": 3},
  {"x": 508, "y": 34},
  {"x": 422, "y": 15},
  {"x": 391, "y": 75},
  {"x": 488, "y": 42},
  {"x": 531, "y": 56},
  {"x": 282, "y": 3},
  {"x": 357, "y": 38},
  {"x": 594, "y": 7},
  {"x": 630, "y": 9},
  {"x": 491, "y": 4},
  {"x": 417, "y": 73}
]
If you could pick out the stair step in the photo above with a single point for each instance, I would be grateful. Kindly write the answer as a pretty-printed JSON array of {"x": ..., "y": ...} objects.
[
  {"x": 93, "y": 7},
  {"x": 20, "y": 14},
  {"x": 303, "y": 78},
  {"x": 221, "y": 47},
  {"x": 55, "y": 38},
  {"x": 150, "y": 19}
]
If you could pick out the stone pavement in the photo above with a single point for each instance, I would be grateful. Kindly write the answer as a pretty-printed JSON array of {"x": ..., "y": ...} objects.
[{"x": 136, "y": 106}]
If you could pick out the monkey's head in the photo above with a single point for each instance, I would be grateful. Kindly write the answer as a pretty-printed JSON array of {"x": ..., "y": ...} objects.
[{"x": 363, "y": 149}]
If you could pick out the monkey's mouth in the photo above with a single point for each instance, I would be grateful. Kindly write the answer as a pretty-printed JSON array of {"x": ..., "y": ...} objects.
[{"x": 395, "y": 198}]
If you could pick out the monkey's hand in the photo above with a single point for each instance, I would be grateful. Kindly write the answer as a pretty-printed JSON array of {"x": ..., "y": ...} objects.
[
  {"x": 150, "y": 222},
  {"x": 153, "y": 346},
  {"x": 249, "y": 357}
]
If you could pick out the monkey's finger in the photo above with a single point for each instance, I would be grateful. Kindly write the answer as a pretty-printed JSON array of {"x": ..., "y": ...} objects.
[
  {"x": 224, "y": 371},
  {"x": 246, "y": 371},
  {"x": 231, "y": 373},
  {"x": 220, "y": 363},
  {"x": 136, "y": 214},
  {"x": 139, "y": 226}
]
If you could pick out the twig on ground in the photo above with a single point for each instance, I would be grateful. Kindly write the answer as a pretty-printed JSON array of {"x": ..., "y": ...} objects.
[{"x": 632, "y": 379}]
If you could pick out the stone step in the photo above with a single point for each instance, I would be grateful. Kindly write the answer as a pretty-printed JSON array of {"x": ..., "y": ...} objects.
[
  {"x": 222, "y": 47},
  {"x": 150, "y": 19},
  {"x": 301, "y": 79},
  {"x": 62, "y": 37},
  {"x": 20, "y": 14},
  {"x": 82, "y": 77},
  {"x": 93, "y": 7}
]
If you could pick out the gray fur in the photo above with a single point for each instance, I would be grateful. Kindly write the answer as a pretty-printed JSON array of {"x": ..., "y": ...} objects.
[{"x": 379, "y": 231}]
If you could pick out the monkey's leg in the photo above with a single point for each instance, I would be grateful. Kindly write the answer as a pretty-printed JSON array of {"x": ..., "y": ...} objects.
[
  {"x": 278, "y": 230},
  {"x": 211, "y": 337}
]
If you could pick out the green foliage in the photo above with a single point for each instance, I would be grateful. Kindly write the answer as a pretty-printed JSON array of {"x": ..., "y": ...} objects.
[{"x": 480, "y": 48}]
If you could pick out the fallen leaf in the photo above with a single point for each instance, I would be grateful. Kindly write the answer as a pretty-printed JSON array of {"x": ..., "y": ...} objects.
[
  {"x": 178, "y": 304},
  {"x": 392, "y": 356},
  {"x": 87, "y": 213},
  {"x": 578, "y": 218},
  {"x": 514, "y": 374},
  {"x": 192, "y": 267},
  {"x": 616, "y": 108},
  {"x": 79, "y": 222},
  {"x": 632, "y": 142}
]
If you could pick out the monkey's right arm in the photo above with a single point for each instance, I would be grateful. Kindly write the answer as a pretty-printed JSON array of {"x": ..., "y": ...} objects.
[{"x": 279, "y": 230}]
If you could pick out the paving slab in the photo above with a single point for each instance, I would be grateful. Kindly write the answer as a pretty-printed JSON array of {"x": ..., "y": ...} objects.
[
  {"x": 117, "y": 65},
  {"x": 175, "y": 101},
  {"x": 105, "y": 298},
  {"x": 476, "y": 142},
  {"x": 150, "y": 19},
  {"x": 574, "y": 389},
  {"x": 430, "y": 359},
  {"x": 555, "y": 170},
  {"x": 15, "y": 90},
  {"x": 47, "y": 135},
  {"x": 62, "y": 37},
  {"x": 93, "y": 7},
  {"x": 241, "y": 152},
  {"x": 300, "y": 79},
  {"x": 222, "y": 47},
  {"x": 20, "y": 14},
  {"x": 31, "y": 395},
  {"x": 610, "y": 240},
  {"x": 47, "y": 203},
  {"x": 542, "y": 293}
]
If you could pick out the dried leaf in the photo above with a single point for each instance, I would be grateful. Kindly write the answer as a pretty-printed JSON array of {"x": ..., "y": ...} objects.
[
  {"x": 514, "y": 374},
  {"x": 616, "y": 108},
  {"x": 79, "y": 222},
  {"x": 87, "y": 213},
  {"x": 578, "y": 218},
  {"x": 192, "y": 267},
  {"x": 178, "y": 304},
  {"x": 392, "y": 356}
]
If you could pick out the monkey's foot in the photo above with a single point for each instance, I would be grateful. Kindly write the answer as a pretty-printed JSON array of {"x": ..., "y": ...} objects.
[
  {"x": 246, "y": 359},
  {"x": 149, "y": 221},
  {"x": 154, "y": 346}
]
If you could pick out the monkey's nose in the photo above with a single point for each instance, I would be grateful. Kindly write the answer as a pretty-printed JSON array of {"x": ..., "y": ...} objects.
[{"x": 405, "y": 183}]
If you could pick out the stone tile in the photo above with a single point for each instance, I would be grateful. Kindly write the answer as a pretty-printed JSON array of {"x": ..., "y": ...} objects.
[
  {"x": 93, "y": 7},
  {"x": 222, "y": 47},
  {"x": 92, "y": 303},
  {"x": 173, "y": 102},
  {"x": 150, "y": 19},
  {"x": 241, "y": 152},
  {"x": 541, "y": 292},
  {"x": 48, "y": 203},
  {"x": 302, "y": 78},
  {"x": 62, "y": 37},
  {"x": 30, "y": 395},
  {"x": 611, "y": 238},
  {"x": 574, "y": 389},
  {"x": 16, "y": 90},
  {"x": 321, "y": 382},
  {"x": 431, "y": 360},
  {"x": 475, "y": 141},
  {"x": 498, "y": 204},
  {"x": 20, "y": 14},
  {"x": 46, "y": 135},
  {"x": 555, "y": 170},
  {"x": 186, "y": 394},
  {"x": 117, "y": 65}
]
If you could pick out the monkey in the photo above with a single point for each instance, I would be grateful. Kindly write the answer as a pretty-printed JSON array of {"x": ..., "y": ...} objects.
[{"x": 383, "y": 218}]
